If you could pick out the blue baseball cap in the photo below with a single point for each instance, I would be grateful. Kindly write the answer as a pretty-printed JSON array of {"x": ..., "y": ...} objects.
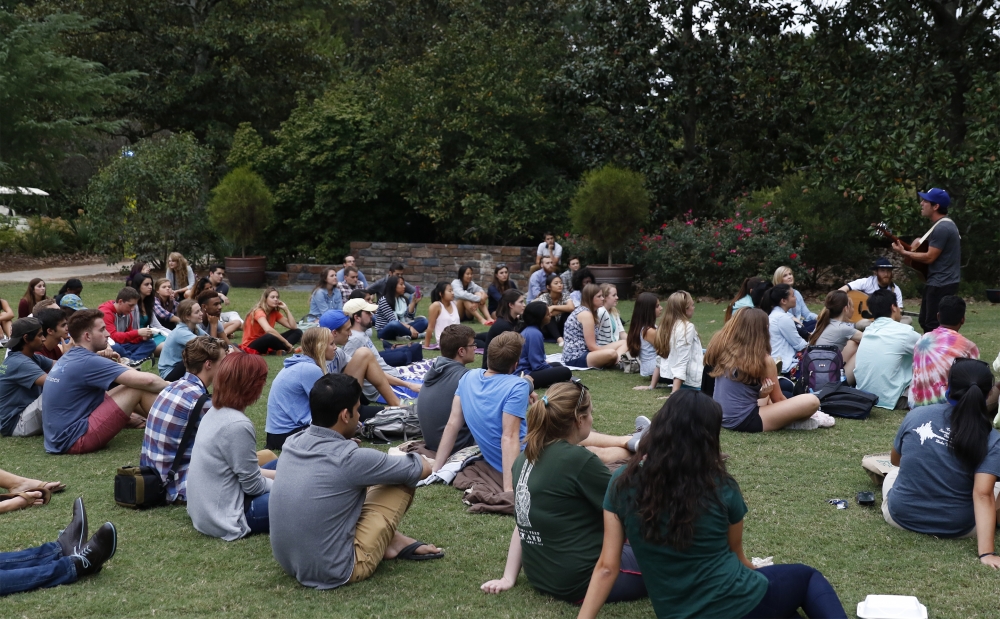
[
  {"x": 333, "y": 319},
  {"x": 936, "y": 196},
  {"x": 72, "y": 301}
]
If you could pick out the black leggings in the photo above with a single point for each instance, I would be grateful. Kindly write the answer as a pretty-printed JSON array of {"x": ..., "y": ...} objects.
[
  {"x": 270, "y": 342},
  {"x": 550, "y": 376},
  {"x": 554, "y": 330},
  {"x": 176, "y": 373}
]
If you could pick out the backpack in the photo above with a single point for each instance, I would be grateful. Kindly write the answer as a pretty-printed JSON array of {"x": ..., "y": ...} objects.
[
  {"x": 819, "y": 365},
  {"x": 841, "y": 400},
  {"x": 397, "y": 422}
]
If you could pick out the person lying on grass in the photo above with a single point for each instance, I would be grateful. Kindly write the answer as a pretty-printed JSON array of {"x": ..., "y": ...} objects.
[
  {"x": 948, "y": 462},
  {"x": 494, "y": 405},
  {"x": 746, "y": 380},
  {"x": 558, "y": 504},
  {"x": 336, "y": 508},
  {"x": 81, "y": 414},
  {"x": 683, "y": 514}
]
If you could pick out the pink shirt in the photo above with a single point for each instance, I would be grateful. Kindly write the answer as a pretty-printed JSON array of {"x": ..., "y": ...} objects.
[{"x": 932, "y": 358}]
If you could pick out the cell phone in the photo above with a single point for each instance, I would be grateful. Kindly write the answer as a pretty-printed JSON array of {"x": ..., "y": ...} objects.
[{"x": 866, "y": 498}]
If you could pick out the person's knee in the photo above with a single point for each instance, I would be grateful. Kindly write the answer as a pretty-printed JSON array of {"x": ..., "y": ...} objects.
[{"x": 363, "y": 355}]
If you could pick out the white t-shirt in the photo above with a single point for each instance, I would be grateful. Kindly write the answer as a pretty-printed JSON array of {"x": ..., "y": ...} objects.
[
  {"x": 543, "y": 250},
  {"x": 869, "y": 285}
]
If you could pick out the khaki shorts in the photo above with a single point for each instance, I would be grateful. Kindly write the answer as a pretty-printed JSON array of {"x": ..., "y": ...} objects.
[{"x": 30, "y": 422}]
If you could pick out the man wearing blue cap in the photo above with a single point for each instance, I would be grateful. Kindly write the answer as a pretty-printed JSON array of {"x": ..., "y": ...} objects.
[
  {"x": 943, "y": 256},
  {"x": 362, "y": 365}
]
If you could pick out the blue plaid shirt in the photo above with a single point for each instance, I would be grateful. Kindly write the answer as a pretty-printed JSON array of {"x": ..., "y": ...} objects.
[{"x": 165, "y": 428}]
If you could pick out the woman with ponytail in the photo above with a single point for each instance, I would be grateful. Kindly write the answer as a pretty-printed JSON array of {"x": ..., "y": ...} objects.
[
  {"x": 834, "y": 329},
  {"x": 558, "y": 497},
  {"x": 743, "y": 298},
  {"x": 948, "y": 459}
]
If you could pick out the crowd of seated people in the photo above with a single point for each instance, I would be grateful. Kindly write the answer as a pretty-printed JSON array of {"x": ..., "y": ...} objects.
[{"x": 667, "y": 524}]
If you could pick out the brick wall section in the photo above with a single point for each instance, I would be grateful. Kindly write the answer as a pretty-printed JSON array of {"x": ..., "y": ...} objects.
[{"x": 426, "y": 263}]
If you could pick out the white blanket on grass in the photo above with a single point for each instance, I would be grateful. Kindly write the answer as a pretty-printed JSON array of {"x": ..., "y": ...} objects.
[{"x": 556, "y": 357}]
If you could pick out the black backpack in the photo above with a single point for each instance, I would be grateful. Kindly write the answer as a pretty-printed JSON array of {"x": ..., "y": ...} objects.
[
  {"x": 841, "y": 400},
  {"x": 819, "y": 366}
]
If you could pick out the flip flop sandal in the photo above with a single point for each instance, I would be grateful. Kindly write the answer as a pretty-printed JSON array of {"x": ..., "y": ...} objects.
[
  {"x": 409, "y": 553},
  {"x": 46, "y": 496}
]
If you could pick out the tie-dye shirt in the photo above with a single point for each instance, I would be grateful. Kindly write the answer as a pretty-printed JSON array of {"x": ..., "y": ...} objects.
[{"x": 932, "y": 359}]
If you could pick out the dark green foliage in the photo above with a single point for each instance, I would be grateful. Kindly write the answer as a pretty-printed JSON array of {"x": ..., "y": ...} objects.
[
  {"x": 609, "y": 205},
  {"x": 150, "y": 200},
  {"x": 240, "y": 208}
]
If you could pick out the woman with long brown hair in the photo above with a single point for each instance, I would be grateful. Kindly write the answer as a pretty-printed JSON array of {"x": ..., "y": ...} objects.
[
  {"x": 683, "y": 515},
  {"x": 259, "y": 334},
  {"x": 833, "y": 327},
  {"x": 325, "y": 296},
  {"x": 558, "y": 497},
  {"x": 746, "y": 380},
  {"x": 642, "y": 333},
  {"x": 34, "y": 294},
  {"x": 678, "y": 345},
  {"x": 580, "y": 347},
  {"x": 180, "y": 274}
]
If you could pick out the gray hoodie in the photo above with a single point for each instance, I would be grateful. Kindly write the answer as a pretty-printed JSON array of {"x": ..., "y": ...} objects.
[{"x": 434, "y": 403}]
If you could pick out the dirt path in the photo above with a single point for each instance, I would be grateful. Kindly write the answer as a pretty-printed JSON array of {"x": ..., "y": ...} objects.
[{"x": 61, "y": 274}]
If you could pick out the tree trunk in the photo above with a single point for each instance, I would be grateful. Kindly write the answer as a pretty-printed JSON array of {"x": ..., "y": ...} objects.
[{"x": 609, "y": 257}]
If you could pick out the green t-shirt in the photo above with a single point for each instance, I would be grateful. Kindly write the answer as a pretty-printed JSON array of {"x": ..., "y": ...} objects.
[
  {"x": 557, "y": 504},
  {"x": 706, "y": 579}
]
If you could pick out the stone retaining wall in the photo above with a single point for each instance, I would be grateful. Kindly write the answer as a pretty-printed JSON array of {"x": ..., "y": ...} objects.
[{"x": 425, "y": 263}]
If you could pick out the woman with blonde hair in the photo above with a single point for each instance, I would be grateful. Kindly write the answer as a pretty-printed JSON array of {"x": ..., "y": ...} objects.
[
  {"x": 259, "y": 335},
  {"x": 746, "y": 380},
  {"x": 288, "y": 400},
  {"x": 180, "y": 274},
  {"x": 580, "y": 348},
  {"x": 558, "y": 504},
  {"x": 678, "y": 345},
  {"x": 609, "y": 320},
  {"x": 800, "y": 311}
]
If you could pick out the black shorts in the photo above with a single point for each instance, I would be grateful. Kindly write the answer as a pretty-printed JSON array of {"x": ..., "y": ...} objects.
[{"x": 752, "y": 422}]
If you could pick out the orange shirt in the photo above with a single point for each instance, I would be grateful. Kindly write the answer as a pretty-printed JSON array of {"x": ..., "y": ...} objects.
[{"x": 252, "y": 329}]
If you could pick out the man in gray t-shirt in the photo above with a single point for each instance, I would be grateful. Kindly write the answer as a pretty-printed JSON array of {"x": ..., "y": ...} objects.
[
  {"x": 458, "y": 349},
  {"x": 335, "y": 507},
  {"x": 943, "y": 256}
]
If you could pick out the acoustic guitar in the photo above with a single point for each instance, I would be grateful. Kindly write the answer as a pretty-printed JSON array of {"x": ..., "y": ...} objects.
[
  {"x": 860, "y": 302},
  {"x": 882, "y": 229}
]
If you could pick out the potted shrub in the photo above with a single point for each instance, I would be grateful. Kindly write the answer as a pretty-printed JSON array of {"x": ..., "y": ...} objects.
[
  {"x": 240, "y": 209},
  {"x": 608, "y": 208}
]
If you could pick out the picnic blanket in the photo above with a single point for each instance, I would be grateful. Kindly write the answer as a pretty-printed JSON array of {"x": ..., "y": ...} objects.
[
  {"x": 556, "y": 357},
  {"x": 413, "y": 373}
]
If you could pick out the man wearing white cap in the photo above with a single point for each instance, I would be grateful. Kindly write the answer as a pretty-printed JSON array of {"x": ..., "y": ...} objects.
[{"x": 360, "y": 313}]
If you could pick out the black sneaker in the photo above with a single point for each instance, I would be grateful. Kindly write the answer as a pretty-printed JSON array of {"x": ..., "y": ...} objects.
[
  {"x": 98, "y": 550},
  {"x": 75, "y": 534}
]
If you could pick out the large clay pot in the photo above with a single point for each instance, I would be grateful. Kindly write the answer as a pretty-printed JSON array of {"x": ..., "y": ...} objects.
[
  {"x": 621, "y": 275},
  {"x": 246, "y": 272}
]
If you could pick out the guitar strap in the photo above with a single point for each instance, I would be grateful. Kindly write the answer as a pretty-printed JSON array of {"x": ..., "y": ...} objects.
[{"x": 921, "y": 240}]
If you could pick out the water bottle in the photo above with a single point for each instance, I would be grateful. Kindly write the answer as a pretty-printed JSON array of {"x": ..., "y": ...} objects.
[{"x": 843, "y": 375}]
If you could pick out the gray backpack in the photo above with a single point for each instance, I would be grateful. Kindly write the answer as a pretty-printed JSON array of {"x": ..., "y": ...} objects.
[{"x": 392, "y": 423}]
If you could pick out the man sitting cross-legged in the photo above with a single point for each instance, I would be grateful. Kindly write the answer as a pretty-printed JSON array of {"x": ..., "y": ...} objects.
[
  {"x": 884, "y": 361},
  {"x": 81, "y": 414},
  {"x": 171, "y": 413},
  {"x": 458, "y": 349},
  {"x": 336, "y": 508},
  {"x": 494, "y": 404},
  {"x": 935, "y": 353}
]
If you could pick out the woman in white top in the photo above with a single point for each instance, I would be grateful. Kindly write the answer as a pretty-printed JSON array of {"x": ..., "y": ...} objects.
[
  {"x": 442, "y": 312},
  {"x": 800, "y": 311},
  {"x": 642, "y": 332},
  {"x": 472, "y": 299},
  {"x": 785, "y": 338},
  {"x": 833, "y": 329},
  {"x": 678, "y": 345},
  {"x": 609, "y": 322}
]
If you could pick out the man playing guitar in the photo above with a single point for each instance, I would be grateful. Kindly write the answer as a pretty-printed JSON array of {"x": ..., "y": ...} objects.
[
  {"x": 943, "y": 256},
  {"x": 881, "y": 280}
]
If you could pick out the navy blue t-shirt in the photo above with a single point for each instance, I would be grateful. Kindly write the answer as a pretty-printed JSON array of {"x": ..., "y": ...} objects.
[
  {"x": 18, "y": 374},
  {"x": 76, "y": 386}
]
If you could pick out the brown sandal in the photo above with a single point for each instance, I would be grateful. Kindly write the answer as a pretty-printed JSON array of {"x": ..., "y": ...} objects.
[{"x": 46, "y": 496}]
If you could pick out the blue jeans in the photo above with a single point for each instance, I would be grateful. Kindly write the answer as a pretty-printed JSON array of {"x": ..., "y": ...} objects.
[
  {"x": 396, "y": 329},
  {"x": 35, "y": 568},
  {"x": 794, "y": 586},
  {"x": 255, "y": 508},
  {"x": 402, "y": 355},
  {"x": 138, "y": 351}
]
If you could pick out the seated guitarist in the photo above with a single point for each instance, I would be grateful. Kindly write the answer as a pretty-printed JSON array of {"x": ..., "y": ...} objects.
[
  {"x": 881, "y": 280},
  {"x": 943, "y": 255}
]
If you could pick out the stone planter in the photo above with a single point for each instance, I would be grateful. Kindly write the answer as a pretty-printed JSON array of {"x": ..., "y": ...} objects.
[
  {"x": 621, "y": 275},
  {"x": 246, "y": 272}
]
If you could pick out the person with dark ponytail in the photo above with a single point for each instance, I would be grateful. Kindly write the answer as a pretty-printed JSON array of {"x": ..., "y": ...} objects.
[
  {"x": 948, "y": 461},
  {"x": 72, "y": 286},
  {"x": 743, "y": 299},
  {"x": 558, "y": 496},
  {"x": 532, "y": 362},
  {"x": 785, "y": 338},
  {"x": 834, "y": 329},
  {"x": 682, "y": 513}
]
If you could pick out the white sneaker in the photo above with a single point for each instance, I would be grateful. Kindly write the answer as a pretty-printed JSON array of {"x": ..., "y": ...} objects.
[
  {"x": 809, "y": 423},
  {"x": 824, "y": 420}
]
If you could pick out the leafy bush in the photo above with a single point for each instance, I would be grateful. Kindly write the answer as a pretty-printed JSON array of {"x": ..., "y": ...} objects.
[
  {"x": 46, "y": 236},
  {"x": 713, "y": 256},
  {"x": 10, "y": 239},
  {"x": 610, "y": 204},
  {"x": 241, "y": 207}
]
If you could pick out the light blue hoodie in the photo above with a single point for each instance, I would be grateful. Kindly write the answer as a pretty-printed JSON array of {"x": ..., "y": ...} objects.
[{"x": 288, "y": 402}]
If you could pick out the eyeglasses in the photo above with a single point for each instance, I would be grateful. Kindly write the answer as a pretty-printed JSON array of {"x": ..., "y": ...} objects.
[{"x": 583, "y": 389}]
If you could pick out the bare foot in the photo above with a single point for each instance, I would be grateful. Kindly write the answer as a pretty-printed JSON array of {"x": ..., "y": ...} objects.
[
  {"x": 400, "y": 541},
  {"x": 136, "y": 422},
  {"x": 642, "y": 388},
  {"x": 26, "y": 484}
]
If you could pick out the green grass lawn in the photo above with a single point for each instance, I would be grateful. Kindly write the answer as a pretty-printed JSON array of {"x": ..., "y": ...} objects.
[{"x": 165, "y": 568}]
